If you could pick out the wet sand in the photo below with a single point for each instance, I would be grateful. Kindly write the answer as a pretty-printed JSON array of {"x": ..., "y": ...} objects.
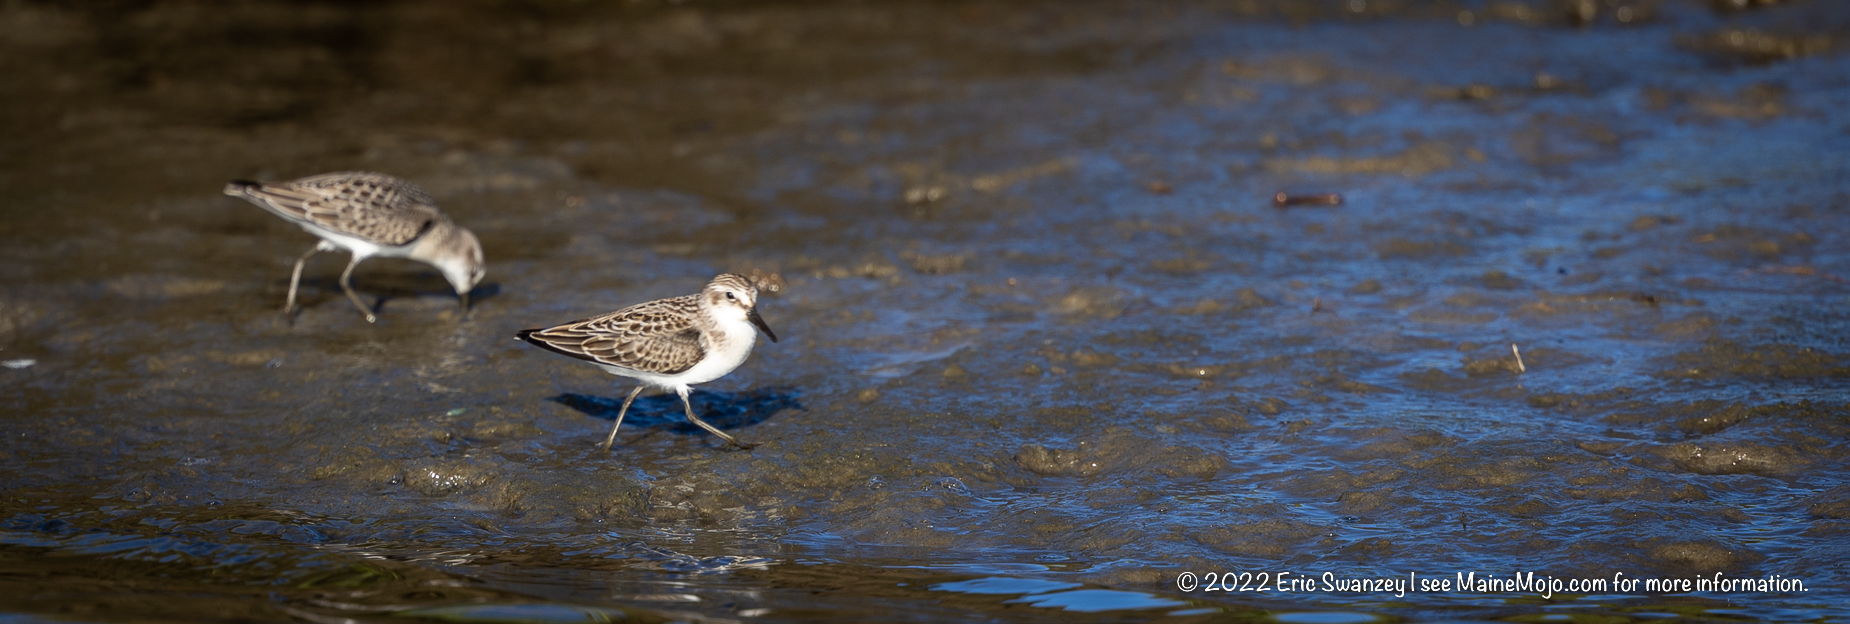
[{"x": 1048, "y": 341}]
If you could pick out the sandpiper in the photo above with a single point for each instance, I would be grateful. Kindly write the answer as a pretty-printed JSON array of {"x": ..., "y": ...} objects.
[
  {"x": 667, "y": 343},
  {"x": 370, "y": 214}
]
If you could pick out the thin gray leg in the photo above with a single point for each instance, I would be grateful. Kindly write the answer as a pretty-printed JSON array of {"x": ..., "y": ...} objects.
[
  {"x": 296, "y": 278},
  {"x": 347, "y": 285},
  {"x": 703, "y": 424},
  {"x": 626, "y": 409}
]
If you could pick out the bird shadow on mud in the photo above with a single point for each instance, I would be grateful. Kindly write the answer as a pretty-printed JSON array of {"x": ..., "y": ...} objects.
[
  {"x": 381, "y": 289},
  {"x": 726, "y": 410}
]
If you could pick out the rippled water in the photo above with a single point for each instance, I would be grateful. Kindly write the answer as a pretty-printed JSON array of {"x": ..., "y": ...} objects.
[{"x": 1050, "y": 351}]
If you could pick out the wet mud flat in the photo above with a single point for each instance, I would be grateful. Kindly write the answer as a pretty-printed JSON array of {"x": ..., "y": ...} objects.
[{"x": 1048, "y": 342}]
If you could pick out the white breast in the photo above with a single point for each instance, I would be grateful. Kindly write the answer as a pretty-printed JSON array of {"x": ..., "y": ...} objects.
[
  {"x": 724, "y": 357},
  {"x": 360, "y": 247}
]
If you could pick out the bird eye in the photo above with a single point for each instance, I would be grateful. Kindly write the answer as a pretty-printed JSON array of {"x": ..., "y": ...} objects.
[{"x": 729, "y": 297}]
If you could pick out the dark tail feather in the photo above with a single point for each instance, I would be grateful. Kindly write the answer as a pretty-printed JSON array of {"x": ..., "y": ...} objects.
[{"x": 527, "y": 335}]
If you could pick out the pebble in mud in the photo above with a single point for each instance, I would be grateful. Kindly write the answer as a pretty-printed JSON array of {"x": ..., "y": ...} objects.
[
  {"x": 1119, "y": 450},
  {"x": 1079, "y": 461},
  {"x": 1699, "y": 557},
  {"x": 1754, "y": 46}
]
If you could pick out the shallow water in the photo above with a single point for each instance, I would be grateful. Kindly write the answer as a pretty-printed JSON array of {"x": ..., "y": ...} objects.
[{"x": 1048, "y": 346}]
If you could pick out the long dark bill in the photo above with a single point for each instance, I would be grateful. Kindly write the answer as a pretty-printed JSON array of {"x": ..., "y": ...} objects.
[{"x": 752, "y": 315}]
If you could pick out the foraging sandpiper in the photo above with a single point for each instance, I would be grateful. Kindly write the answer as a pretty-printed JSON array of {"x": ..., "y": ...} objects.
[
  {"x": 667, "y": 343},
  {"x": 370, "y": 214}
]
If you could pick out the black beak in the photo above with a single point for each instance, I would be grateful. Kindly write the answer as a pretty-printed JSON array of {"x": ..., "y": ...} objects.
[
  {"x": 465, "y": 302},
  {"x": 758, "y": 321}
]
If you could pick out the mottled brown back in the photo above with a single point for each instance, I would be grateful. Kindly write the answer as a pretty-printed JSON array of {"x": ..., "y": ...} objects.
[
  {"x": 655, "y": 337},
  {"x": 372, "y": 206}
]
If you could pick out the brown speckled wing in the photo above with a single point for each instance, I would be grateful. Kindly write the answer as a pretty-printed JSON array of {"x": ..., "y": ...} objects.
[
  {"x": 371, "y": 206},
  {"x": 655, "y": 337}
]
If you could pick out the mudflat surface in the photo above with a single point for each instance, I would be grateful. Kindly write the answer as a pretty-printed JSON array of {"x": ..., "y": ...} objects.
[{"x": 1048, "y": 344}]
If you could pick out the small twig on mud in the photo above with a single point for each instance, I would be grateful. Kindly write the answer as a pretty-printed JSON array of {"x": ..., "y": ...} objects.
[
  {"x": 1282, "y": 200},
  {"x": 1799, "y": 270},
  {"x": 1519, "y": 367}
]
